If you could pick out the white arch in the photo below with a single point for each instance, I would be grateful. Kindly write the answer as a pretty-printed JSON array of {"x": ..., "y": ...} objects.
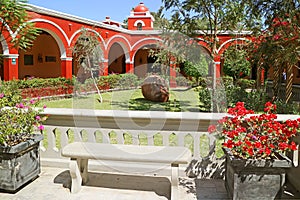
[
  {"x": 117, "y": 36},
  {"x": 144, "y": 39},
  {"x": 231, "y": 40},
  {"x": 125, "y": 50},
  {"x": 7, "y": 27},
  {"x": 139, "y": 21},
  {"x": 140, "y": 41},
  {"x": 78, "y": 31},
  {"x": 54, "y": 24},
  {"x": 61, "y": 45},
  {"x": 4, "y": 45}
]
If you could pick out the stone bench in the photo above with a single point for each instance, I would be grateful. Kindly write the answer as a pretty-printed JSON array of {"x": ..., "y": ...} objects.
[{"x": 81, "y": 152}]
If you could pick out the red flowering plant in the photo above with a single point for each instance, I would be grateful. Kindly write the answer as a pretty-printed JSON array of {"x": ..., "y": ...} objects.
[{"x": 256, "y": 136}]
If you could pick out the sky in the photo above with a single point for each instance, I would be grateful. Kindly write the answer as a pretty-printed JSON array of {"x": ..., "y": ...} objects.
[{"x": 118, "y": 10}]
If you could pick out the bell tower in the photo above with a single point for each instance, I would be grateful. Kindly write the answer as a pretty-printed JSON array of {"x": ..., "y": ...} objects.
[{"x": 140, "y": 18}]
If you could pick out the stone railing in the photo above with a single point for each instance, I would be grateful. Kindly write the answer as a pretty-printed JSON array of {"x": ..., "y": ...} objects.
[
  {"x": 131, "y": 127},
  {"x": 188, "y": 129}
]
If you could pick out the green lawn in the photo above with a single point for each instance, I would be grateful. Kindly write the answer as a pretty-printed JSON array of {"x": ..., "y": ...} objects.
[{"x": 180, "y": 101}]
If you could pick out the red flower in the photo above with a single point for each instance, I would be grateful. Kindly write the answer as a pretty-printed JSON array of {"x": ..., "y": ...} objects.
[
  {"x": 267, "y": 151},
  {"x": 258, "y": 145},
  {"x": 256, "y": 136},
  {"x": 212, "y": 129},
  {"x": 293, "y": 146}
]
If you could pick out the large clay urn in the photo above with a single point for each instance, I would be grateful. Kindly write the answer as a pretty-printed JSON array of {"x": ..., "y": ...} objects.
[{"x": 155, "y": 88}]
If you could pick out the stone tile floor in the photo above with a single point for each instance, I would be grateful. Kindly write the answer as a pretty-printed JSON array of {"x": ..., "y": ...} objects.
[{"x": 54, "y": 183}]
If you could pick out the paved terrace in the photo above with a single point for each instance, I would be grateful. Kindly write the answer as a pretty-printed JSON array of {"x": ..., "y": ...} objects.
[{"x": 54, "y": 183}]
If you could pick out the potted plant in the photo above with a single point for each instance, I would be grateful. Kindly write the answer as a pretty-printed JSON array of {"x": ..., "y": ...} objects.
[
  {"x": 19, "y": 142},
  {"x": 255, "y": 147}
]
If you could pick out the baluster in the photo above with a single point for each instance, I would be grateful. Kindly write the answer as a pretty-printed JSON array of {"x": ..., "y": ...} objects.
[
  {"x": 150, "y": 138},
  {"x": 120, "y": 137},
  {"x": 196, "y": 138},
  {"x": 181, "y": 138},
  {"x": 135, "y": 137},
  {"x": 52, "y": 150},
  {"x": 77, "y": 134},
  {"x": 91, "y": 134},
  {"x": 64, "y": 137},
  {"x": 105, "y": 136},
  {"x": 165, "y": 138}
]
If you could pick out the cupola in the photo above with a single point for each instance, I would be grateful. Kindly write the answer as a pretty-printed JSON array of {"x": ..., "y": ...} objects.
[{"x": 140, "y": 18}]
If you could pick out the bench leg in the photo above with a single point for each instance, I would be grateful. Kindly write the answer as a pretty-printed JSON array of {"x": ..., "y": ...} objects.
[
  {"x": 83, "y": 167},
  {"x": 76, "y": 177},
  {"x": 174, "y": 182}
]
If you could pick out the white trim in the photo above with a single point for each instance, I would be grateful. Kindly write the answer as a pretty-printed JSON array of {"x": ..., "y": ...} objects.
[
  {"x": 78, "y": 31},
  {"x": 144, "y": 39},
  {"x": 11, "y": 56},
  {"x": 139, "y": 21},
  {"x": 66, "y": 58},
  {"x": 118, "y": 36},
  {"x": 53, "y": 13},
  {"x": 218, "y": 62},
  {"x": 231, "y": 40},
  {"x": 5, "y": 48},
  {"x": 55, "y": 25}
]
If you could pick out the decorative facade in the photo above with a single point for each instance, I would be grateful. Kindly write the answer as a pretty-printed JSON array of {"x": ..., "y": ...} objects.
[{"x": 125, "y": 50}]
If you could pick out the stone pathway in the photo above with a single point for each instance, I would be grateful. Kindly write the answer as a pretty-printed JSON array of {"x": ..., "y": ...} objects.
[{"x": 54, "y": 183}]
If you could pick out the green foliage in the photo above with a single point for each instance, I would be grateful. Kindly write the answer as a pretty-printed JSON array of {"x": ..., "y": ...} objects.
[
  {"x": 183, "y": 81},
  {"x": 128, "y": 81},
  {"x": 229, "y": 93},
  {"x": 13, "y": 14},
  {"x": 111, "y": 80},
  {"x": 18, "y": 118},
  {"x": 245, "y": 83},
  {"x": 89, "y": 56},
  {"x": 211, "y": 17},
  {"x": 235, "y": 64},
  {"x": 277, "y": 46},
  {"x": 197, "y": 69},
  {"x": 42, "y": 83},
  {"x": 287, "y": 108},
  {"x": 205, "y": 99}
]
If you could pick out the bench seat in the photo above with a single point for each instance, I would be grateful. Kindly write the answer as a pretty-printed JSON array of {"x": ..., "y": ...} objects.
[{"x": 81, "y": 152}]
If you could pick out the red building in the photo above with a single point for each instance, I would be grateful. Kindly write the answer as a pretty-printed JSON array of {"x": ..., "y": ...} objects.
[{"x": 125, "y": 49}]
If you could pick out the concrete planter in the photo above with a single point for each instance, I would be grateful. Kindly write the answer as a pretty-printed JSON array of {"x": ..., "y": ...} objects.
[
  {"x": 19, "y": 164},
  {"x": 293, "y": 173},
  {"x": 255, "y": 179}
]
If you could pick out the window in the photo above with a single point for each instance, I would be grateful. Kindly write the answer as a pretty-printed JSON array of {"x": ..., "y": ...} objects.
[
  {"x": 50, "y": 59},
  {"x": 28, "y": 59},
  {"x": 139, "y": 26}
]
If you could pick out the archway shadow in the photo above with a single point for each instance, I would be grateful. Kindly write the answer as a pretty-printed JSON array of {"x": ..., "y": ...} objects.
[{"x": 160, "y": 185}]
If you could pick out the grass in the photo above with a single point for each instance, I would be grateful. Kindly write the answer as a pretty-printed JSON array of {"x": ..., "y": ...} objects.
[{"x": 179, "y": 101}]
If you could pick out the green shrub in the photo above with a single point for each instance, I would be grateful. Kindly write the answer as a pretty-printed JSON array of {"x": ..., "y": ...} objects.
[
  {"x": 245, "y": 83},
  {"x": 183, "y": 81},
  {"x": 111, "y": 80},
  {"x": 128, "y": 81}
]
